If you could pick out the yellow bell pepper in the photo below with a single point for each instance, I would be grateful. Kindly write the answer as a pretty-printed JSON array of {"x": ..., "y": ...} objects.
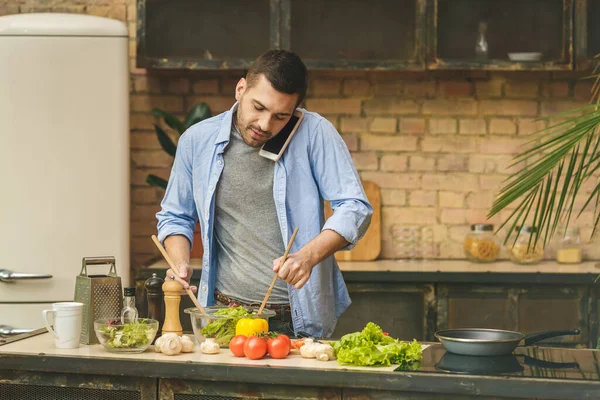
[{"x": 251, "y": 326}]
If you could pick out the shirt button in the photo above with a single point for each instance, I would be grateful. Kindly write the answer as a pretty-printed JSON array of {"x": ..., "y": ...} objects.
[
  {"x": 219, "y": 162},
  {"x": 206, "y": 263},
  {"x": 206, "y": 214},
  {"x": 204, "y": 288},
  {"x": 211, "y": 188}
]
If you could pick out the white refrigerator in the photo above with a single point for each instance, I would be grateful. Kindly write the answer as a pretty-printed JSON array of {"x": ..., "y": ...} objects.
[{"x": 64, "y": 158}]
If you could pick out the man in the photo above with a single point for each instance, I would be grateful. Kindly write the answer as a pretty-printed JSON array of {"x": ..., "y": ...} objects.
[{"x": 248, "y": 206}]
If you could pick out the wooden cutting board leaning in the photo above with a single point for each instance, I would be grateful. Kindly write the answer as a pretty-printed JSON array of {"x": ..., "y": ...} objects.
[{"x": 369, "y": 247}]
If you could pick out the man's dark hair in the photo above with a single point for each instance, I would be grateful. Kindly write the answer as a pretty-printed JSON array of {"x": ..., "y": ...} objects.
[{"x": 284, "y": 69}]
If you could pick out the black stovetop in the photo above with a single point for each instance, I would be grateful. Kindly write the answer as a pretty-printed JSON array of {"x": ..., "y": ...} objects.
[{"x": 530, "y": 362}]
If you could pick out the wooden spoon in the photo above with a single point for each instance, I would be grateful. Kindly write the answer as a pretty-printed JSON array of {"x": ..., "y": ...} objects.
[
  {"x": 289, "y": 246},
  {"x": 176, "y": 271}
]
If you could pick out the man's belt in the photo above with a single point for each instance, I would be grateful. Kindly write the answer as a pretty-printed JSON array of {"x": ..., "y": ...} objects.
[{"x": 282, "y": 311}]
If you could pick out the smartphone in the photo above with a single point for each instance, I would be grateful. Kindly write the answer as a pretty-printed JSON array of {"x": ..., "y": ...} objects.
[{"x": 273, "y": 148}]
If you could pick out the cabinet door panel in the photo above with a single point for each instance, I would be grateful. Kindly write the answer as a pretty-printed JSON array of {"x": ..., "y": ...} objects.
[{"x": 400, "y": 310}]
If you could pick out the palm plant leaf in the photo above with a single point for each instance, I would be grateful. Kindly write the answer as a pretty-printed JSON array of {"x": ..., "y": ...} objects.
[
  {"x": 157, "y": 181},
  {"x": 172, "y": 121},
  {"x": 552, "y": 169},
  {"x": 165, "y": 141},
  {"x": 199, "y": 113}
]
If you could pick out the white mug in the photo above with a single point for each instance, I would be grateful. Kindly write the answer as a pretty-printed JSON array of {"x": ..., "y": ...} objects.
[{"x": 66, "y": 318}]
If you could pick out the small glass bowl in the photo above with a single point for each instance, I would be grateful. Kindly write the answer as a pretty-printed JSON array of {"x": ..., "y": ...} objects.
[
  {"x": 117, "y": 337},
  {"x": 224, "y": 325}
]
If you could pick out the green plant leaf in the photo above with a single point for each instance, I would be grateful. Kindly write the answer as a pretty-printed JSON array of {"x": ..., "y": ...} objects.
[
  {"x": 156, "y": 181},
  {"x": 560, "y": 159},
  {"x": 165, "y": 141},
  {"x": 199, "y": 113},
  {"x": 171, "y": 120}
]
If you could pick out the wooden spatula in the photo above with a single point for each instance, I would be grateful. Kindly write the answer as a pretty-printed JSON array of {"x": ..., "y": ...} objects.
[
  {"x": 287, "y": 251},
  {"x": 176, "y": 271}
]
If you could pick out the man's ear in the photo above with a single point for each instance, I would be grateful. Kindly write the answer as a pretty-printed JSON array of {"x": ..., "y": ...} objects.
[{"x": 240, "y": 88}]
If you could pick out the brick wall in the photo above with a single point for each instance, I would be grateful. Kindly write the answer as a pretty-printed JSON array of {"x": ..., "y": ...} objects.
[{"x": 437, "y": 143}]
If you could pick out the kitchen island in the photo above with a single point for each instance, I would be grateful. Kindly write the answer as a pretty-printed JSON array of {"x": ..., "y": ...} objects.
[{"x": 33, "y": 368}]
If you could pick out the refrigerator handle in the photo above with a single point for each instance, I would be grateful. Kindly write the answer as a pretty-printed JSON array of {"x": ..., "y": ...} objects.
[{"x": 9, "y": 276}]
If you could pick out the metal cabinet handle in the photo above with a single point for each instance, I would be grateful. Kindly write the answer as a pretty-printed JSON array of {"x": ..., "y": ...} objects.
[
  {"x": 9, "y": 276},
  {"x": 6, "y": 330}
]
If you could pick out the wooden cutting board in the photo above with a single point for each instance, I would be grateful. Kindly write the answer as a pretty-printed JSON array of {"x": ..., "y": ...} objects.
[{"x": 369, "y": 247}]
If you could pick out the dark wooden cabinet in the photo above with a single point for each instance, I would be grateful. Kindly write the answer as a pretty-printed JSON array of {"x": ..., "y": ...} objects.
[
  {"x": 358, "y": 34},
  {"x": 230, "y": 34},
  {"x": 587, "y": 33},
  {"x": 526, "y": 309},
  {"x": 405, "y": 311},
  {"x": 383, "y": 34},
  {"x": 170, "y": 389},
  {"x": 510, "y": 26}
]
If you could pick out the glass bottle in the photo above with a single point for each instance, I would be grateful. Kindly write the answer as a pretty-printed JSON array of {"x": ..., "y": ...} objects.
[
  {"x": 129, "y": 314},
  {"x": 523, "y": 250},
  {"x": 568, "y": 247},
  {"x": 481, "y": 44},
  {"x": 481, "y": 245}
]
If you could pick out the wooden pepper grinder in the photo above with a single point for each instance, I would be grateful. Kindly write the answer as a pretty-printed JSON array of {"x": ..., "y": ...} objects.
[
  {"x": 154, "y": 297},
  {"x": 172, "y": 290}
]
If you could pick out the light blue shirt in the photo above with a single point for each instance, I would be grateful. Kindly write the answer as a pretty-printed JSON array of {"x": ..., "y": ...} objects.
[{"x": 316, "y": 166}]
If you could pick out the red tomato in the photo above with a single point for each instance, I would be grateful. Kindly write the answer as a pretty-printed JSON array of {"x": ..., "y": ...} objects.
[
  {"x": 279, "y": 347},
  {"x": 236, "y": 345},
  {"x": 255, "y": 348}
]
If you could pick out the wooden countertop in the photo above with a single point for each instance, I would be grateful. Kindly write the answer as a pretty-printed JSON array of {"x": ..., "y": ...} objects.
[{"x": 44, "y": 345}]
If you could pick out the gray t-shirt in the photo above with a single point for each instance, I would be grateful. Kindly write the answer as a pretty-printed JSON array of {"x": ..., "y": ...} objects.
[{"x": 247, "y": 234}]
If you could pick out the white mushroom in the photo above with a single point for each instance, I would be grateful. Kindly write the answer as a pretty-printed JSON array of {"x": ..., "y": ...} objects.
[
  {"x": 157, "y": 344},
  {"x": 308, "y": 349},
  {"x": 324, "y": 352},
  {"x": 187, "y": 344},
  {"x": 210, "y": 346},
  {"x": 320, "y": 351},
  {"x": 171, "y": 345}
]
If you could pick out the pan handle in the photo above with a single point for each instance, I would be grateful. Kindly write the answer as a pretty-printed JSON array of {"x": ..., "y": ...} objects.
[{"x": 536, "y": 337}]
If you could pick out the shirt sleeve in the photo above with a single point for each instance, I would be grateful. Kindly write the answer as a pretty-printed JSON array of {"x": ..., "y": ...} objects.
[
  {"x": 339, "y": 183},
  {"x": 178, "y": 215}
]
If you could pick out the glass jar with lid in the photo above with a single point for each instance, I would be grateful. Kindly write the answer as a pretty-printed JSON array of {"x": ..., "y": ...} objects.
[
  {"x": 481, "y": 245},
  {"x": 524, "y": 250},
  {"x": 568, "y": 246}
]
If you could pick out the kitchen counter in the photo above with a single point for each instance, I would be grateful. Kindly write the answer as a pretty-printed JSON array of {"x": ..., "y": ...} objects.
[
  {"x": 461, "y": 271},
  {"x": 533, "y": 372}
]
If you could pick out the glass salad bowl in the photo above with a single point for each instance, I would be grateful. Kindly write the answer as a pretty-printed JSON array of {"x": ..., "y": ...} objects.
[
  {"x": 117, "y": 337},
  {"x": 219, "y": 322}
]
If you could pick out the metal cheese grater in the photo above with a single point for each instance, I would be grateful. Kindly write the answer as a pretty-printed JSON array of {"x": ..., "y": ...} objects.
[{"x": 101, "y": 295}]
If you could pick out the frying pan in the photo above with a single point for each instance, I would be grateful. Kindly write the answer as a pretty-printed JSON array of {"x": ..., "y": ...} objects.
[{"x": 491, "y": 342}]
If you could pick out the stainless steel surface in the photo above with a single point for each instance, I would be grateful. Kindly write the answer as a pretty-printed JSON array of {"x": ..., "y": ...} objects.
[
  {"x": 6, "y": 330},
  {"x": 101, "y": 295},
  {"x": 11, "y": 339},
  {"x": 10, "y": 276}
]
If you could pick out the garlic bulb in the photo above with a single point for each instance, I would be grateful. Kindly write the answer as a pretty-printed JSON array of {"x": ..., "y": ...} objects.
[
  {"x": 210, "y": 346},
  {"x": 187, "y": 344}
]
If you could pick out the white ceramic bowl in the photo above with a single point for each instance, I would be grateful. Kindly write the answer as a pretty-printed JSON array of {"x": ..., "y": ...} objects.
[{"x": 525, "y": 56}]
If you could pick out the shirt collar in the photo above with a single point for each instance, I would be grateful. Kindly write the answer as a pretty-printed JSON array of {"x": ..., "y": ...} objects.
[{"x": 225, "y": 131}]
